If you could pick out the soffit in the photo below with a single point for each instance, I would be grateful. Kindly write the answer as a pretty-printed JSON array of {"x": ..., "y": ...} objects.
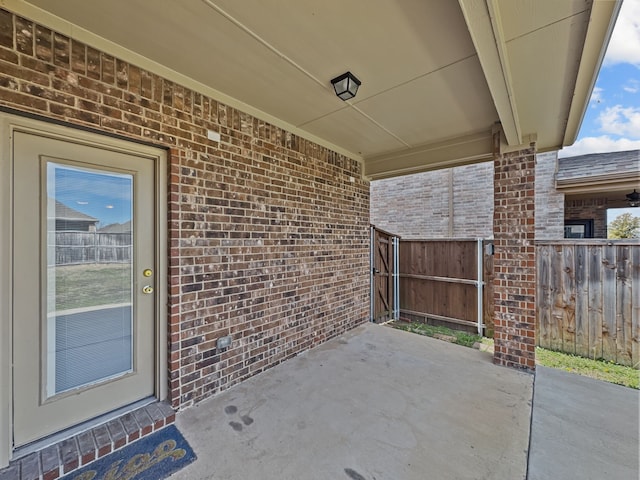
[{"x": 427, "y": 85}]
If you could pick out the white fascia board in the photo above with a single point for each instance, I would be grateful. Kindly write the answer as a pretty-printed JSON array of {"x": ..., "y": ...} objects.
[
  {"x": 604, "y": 14},
  {"x": 485, "y": 27}
]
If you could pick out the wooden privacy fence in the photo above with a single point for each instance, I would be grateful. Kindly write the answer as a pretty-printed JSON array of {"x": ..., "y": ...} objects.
[
  {"x": 588, "y": 298},
  {"x": 448, "y": 281},
  {"x": 89, "y": 247}
]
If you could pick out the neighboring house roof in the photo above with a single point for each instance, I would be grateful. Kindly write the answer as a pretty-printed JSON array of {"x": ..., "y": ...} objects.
[
  {"x": 64, "y": 212},
  {"x": 116, "y": 228},
  {"x": 599, "y": 171}
]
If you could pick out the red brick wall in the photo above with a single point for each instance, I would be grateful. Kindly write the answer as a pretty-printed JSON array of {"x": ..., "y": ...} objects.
[
  {"x": 268, "y": 231},
  {"x": 594, "y": 208},
  {"x": 514, "y": 261}
]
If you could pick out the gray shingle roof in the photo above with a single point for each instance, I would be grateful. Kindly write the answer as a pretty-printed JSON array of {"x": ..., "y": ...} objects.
[
  {"x": 63, "y": 212},
  {"x": 598, "y": 165},
  {"x": 116, "y": 228}
]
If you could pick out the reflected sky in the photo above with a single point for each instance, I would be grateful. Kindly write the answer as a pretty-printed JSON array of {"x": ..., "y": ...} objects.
[{"x": 102, "y": 195}]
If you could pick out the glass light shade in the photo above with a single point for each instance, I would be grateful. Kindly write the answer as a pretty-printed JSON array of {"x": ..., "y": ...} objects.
[
  {"x": 633, "y": 198},
  {"x": 346, "y": 85}
]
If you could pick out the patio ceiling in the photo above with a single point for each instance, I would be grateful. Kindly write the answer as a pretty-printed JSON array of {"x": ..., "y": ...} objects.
[{"x": 437, "y": 76}]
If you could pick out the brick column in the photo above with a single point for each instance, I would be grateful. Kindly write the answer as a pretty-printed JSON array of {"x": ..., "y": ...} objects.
[{"x": 514, "y": 261}]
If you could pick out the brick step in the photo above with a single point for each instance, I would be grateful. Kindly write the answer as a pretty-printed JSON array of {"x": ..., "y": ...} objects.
[{"x": 83, "y": 448}]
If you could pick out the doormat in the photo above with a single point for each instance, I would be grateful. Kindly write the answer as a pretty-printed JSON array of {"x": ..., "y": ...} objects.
[{"x": 154, "y": 457}]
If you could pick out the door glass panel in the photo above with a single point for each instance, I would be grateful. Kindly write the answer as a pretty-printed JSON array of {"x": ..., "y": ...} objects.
[{"x": 89, "y": 276}]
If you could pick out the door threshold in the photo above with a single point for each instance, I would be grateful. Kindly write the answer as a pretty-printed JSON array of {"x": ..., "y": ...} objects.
[
  {"x": 43, "y": 443},
  {"x": 75, "y": 447}
]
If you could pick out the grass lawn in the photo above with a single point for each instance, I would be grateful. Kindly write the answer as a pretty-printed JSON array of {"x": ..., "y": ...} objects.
[
  {"x": 442, "y": 333},
  {"x": 600, "y": 369},
  {"x": 90, "y": 285}
]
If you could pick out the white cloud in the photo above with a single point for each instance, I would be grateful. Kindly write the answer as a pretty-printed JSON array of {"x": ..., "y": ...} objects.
[
  {"x": 632, "y": 86},
  {"x": 624, "y": 46},
  {"x": 596, "y": 95},
  {"x": 602, "y": 144},
  {"x": 619, "y": 120}
]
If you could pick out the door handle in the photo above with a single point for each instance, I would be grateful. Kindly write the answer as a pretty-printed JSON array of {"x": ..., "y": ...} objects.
[{"x": 147, "y": 289}]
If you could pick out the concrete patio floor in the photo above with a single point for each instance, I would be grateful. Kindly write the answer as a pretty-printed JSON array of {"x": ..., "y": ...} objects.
[
  {"x": 379, "y": 403},
  {"x": 583, "y": 428},
  {"x": 375, "y": 403}
]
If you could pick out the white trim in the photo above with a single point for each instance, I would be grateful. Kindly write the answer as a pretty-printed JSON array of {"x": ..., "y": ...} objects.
[
  {"x": 162, "y": 276},
  {"x": 485, "y": 27},
  {"x": 6, "y": 267}
]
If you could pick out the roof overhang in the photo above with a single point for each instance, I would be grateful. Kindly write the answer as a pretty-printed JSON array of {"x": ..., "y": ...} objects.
[
  {"x": 437, "y": 76},
  {"x": 599, "y": 173},
  {"x": 599, "y": 184}
]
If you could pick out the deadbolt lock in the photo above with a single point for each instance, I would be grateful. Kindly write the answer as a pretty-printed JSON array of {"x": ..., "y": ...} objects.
[
  {"x": 147, "y": 289},
  {"x": 147, "y": 272}
]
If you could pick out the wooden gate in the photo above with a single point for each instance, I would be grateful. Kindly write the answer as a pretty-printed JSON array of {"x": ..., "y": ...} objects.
[
  {"x": 384, "y": 286},
  {"x": 448, "y": 282}
]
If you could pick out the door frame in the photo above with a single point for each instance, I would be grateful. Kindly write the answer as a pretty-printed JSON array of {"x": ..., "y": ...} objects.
[{"x": 10, "y": 123}]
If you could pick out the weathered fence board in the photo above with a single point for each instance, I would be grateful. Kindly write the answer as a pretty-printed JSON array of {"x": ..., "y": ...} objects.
[
  {"x": 635, "y": 304},
  {"x": 623, "y": 306},
  {"x": 555, "y": 288},
  {"x": 543, "y": 294},
  {"x": 609, "y": 333},
  {"x": 568, "y": 300},
  {"x": 587, "y": 299},
  {"x": 595, "y": 302},
  {"x": 90, "y": 247},
  {"x": 581, "y": 301}
]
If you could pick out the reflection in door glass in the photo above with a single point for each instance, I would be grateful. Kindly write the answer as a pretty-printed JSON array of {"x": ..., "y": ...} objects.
[{"x": 89, "y": 276}]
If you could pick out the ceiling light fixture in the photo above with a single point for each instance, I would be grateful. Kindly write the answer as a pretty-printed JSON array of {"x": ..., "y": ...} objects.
[
  {"x": 346, "y": 85},
  {"x": 633, "y": 198}
]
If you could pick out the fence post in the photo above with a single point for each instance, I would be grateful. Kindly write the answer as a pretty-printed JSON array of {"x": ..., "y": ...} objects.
[
  {"x": 371, "y": 270},
  {"x": 95, "y": 246},
  {"x": 480, "y": 285},
  {"x": 396, "y": 278}
]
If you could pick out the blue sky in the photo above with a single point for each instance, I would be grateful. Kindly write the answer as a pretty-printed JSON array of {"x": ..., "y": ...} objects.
[
  {"x": 102, "y": 195},
  {"x": 612, "y": 120}
]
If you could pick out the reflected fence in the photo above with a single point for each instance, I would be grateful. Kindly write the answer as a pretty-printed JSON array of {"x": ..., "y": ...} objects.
[{"x": 72, "y": 248}]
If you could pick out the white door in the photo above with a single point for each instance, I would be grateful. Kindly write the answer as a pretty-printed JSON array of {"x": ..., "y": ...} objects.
[{"x": 83, "y": 282}]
